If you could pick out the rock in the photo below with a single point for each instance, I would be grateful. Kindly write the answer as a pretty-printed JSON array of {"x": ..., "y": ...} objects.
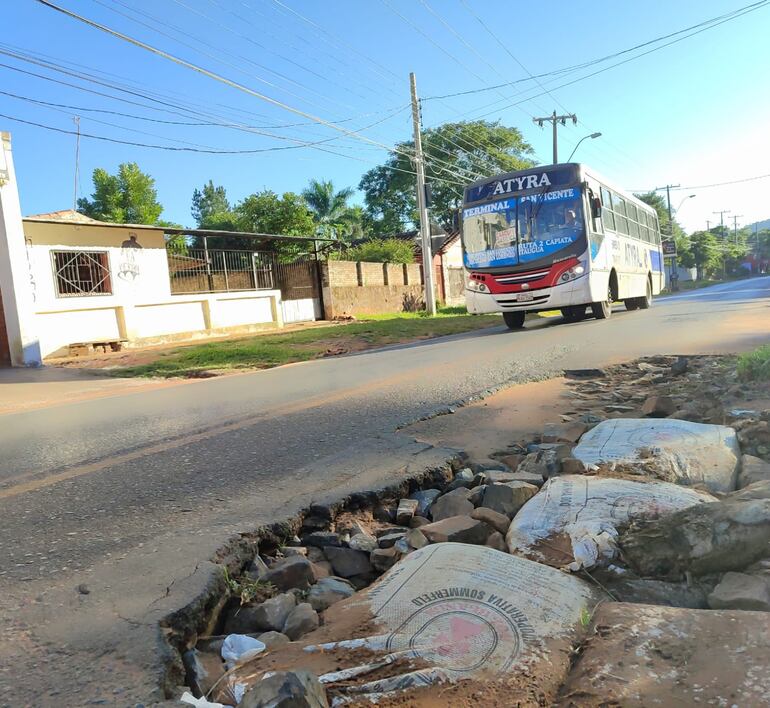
[
  {"x": 568, "y": 433},
  {"x": 315, "y": 523},
  {"x": 257, "y": 568},
  {"x": 272, "y": 613},
  {"x": 528, "y": 477},
  {"x": 658, "y": 592},
  {"x": 739, "y": 591},
  {"x": 454, "y": 503},
  {"x": 706, "y": 538},
  {"x": 359, "y": 582},
  {"x": 321, "y": 539},
  {"x": 322, "y": 569},
  {"x": 508, "y": 498},
  {"x": 496, "y": 540},
  {"x": 363, "y": 542},
  {"x": 415, "y": 538},
  {"x": 590, "y": 419},
  {"x": 204, "y": 669},
  {"x": 286, "y": 689},
  {"x": 405, "y": 511},
  {"x": 499, "y": 522},
  {"x": 288, "y": 551},
  {"x": 477, "y": 495},
  {"x": 424, "y": 500},
  {"x": 544, "y": 463},
  {"x": 384, "y": 558},
  {"x": 273, "y": 640},
  {"x": 389, "y": 539},
  {"x": 658, "y": 407},
  {"x": 571, "y": 465},
  {"x": 315, "y": 555},
  {"x": 328, "y": 591},
  {"x": 584, "y": 374},
  {"x": 301, "y": 620},
  {"x": 416, "y": 521},
  {"x": 241, "y": 620},
  {"x": 463, "y": 479},
  {"x": 753, "y": 469},
  {"x": 457, "y": 529},
  {"x": 347, "y": 562},
  {"x": 385, "y": 513},
  {"x": 679, "y": 366},
  {"x": 512, "y": 461},
  {"x": 295, "y": 572}
]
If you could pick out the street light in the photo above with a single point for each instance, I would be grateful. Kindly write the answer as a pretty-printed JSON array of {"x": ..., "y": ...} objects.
[
  {"x": 689, "y": 196},
  {"x": 593, "y": 136}
]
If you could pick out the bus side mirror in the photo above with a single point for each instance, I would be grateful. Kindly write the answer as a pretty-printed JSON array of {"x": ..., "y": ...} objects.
[{"x": 596, "y": 207}]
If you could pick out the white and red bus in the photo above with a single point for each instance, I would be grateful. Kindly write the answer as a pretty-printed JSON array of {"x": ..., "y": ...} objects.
[{"x": 559, "y": 237}]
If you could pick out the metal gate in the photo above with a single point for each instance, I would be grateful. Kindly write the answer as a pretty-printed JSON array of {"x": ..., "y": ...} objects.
[{"x": 301, "y": 293}]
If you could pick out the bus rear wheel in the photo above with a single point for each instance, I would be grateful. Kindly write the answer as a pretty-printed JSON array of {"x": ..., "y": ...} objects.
[
  {"x": 514, "y": 320},
  {"x": 603, "y": 310},
  {"x": 643, "y": 303},
  {"x": 632, "y": 303}
]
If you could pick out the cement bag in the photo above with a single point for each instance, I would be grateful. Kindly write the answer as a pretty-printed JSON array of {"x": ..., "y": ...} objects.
[
  {"x": 672, "y": 450},
  {"x": 444, "y": 613},
  {"x": 572, "y": 521}
]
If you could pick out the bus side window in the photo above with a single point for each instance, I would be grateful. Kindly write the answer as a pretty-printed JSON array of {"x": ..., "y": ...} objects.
[{"x": 607, "y": 216}]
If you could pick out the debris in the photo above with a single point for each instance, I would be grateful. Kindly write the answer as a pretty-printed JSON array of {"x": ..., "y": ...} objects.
[
  {"x": 459, "y": 529},
  {"x": 347, "y": 562},
  {"x": 454, "y": 503},
  {"x": 753, "y": 469},
  {"x": 239, "y": 647},
  {"x": 739, "y": 591},
  {"x": 302, "y": 619},
  {"x": 406, "y": 510},
  {"x": 363, "y": 542},
  {"x": 191, "y": 700},
  {"x": 328, "y": 591},
  {"x": 671, "y": 450},
  {"x": 669, "y": 656},
  {"x": 499, "y": 522},
  {"x": 572, "y": 522},
  {"x": 680, "y": 366},
  {"x": 658, "y": 407},
  {"x": 710, "y": 538},
  {"x": 657, "y": 592},
  {"x": 508, "y": 498},
  {"x": 288, "y": 573},
  {"x": 286, "y": 689},
  {"x": 424, "y": 500},
  {"x": 203, "y": 670},
  {"x": 83, "y": 589}
]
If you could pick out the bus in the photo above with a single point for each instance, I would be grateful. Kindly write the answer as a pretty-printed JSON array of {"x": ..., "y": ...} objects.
[{"x": 559, "y": 237}]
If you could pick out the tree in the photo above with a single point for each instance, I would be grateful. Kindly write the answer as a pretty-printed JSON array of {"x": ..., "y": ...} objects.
[
  {"x": 333, "y": 216},
  {"x": 208, "y": 203},
  {"x": 706, "y": 253},
  {"x": 454, "y": 154},
  {"x": 129, "y": 197},
  {"x": 389, "y": 250},
  {"x": 683, "y": 252}
]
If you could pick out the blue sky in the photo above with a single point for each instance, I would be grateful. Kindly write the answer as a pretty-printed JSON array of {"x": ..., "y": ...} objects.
[{"x": 694, "y": 113}]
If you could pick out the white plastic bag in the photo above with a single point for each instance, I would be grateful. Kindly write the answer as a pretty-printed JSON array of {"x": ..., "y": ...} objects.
[{"x": 237, "y": 648}]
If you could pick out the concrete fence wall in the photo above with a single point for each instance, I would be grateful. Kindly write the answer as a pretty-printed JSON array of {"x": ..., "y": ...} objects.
[{"x": 361, "y": 288}]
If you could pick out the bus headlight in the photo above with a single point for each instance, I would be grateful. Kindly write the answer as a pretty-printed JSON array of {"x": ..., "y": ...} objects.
[
  {"x": 476, "y": 286},
  {"x": 575, "y": 272}
]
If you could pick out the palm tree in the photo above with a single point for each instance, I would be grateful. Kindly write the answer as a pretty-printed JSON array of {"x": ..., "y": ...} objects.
[{"x": 330, "y": 209}]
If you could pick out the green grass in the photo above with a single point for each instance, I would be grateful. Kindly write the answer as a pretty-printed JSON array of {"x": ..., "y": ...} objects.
[
  {"x": 268, "y": 350},
  {"x": 755, "y": 366}
]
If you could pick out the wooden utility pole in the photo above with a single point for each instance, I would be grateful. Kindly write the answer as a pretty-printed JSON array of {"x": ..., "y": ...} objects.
[
  {"x": 555, "y": 120},
  {"x": 422, "y": 207}
]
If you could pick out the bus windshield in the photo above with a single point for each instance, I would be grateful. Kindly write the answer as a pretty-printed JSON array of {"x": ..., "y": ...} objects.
[{"x": 522, "y": 228}]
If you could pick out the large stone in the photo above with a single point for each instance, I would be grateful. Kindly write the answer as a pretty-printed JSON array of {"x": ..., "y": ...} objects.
[
  {"x": 508, "y": 498},
  {"x": 204, "y": 670},
  {"x": 425, "y": 499},
  {"x": 496, "y": 540},
  {"x": 416, "y": 521},
  {"x": 241, "y": 621},
  {"x": 286, "y": 689},
  {"x": 321, "y": 539},
  {"x": 272, "y": 613},
  {"x": 322, "y": 569},
  {"x": 273, "y": 640},
  {"x": 571, "y": 465},
  {"x": 543, "y": 462},
  {"x": 739, "y": 591},
  {"x": 512, "y": 461},
  {"x": 477, "y": 495},
  {"x": 347, "y": 562},
  {"x": 389, "y": 539},
  {"x": 384, "y": 558},
  {"x": 301, "y": 620},
  {"x": 753, "y": 469},
  {"x": 658, "y": 407},
  {"x": 465, "y": 478},
  {"x": 658, "y": 592},
  {"x": 453, "y": 503},
  {"x": 563, "y": 433},
  {"x": 415, "y": 538},
  {"x": 457, "y": 529},
  {"x": 363, "y": 542},
  {"x": 499, "y": 522},
  {"x": 295, "y": 572},
  {"x": 328, "y": 591},
  {"x": 528, "y": 477},
  {"x": 405, "y": 511}
]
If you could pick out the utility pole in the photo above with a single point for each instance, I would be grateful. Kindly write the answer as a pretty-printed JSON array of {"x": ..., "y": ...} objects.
[
  {"x": 708, "y": 225},
  {"x": 427, "y": 251},
  {"x": 554, "y": 120},
  {"x": 77, "y": 162},
  {"x": 735, "y": 226},
  {"x": 674, "y": 271},
  {"x": 721, "y": 220}
]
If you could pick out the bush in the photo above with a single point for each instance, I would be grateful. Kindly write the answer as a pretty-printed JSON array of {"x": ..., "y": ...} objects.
[
  {"x": 389, "y": 250},
  {"x": 755, "y": 366}
]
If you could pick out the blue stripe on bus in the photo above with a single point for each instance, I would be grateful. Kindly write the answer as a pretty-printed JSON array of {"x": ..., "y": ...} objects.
[{"x": 656, "y": 261}]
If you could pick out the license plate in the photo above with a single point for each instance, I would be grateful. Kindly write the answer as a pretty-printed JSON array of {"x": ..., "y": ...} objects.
[{"x": 525, "y": 297}]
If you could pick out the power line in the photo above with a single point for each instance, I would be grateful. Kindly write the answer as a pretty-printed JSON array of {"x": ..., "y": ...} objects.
[{"x": 708, "y": 186}]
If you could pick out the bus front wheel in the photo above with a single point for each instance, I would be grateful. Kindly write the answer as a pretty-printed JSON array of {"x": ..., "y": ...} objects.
[
  {"x": 514, "y": 320},
  {"x": 573, "y": 313},
  {"x": 603, "y": 310},
  {"x": 643, "y": 303}
]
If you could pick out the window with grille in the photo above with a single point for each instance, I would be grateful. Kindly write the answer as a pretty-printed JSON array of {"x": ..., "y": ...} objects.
[{"x": 80, "y": 273}]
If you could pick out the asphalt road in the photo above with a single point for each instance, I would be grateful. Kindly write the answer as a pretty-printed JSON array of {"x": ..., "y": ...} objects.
[
  {"x": 114, "y": 471},
  {"x": 129, "y": 493}
]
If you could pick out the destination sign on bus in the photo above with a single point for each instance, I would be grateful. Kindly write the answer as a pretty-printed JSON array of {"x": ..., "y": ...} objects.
[{"x": 545, "y": 179}]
